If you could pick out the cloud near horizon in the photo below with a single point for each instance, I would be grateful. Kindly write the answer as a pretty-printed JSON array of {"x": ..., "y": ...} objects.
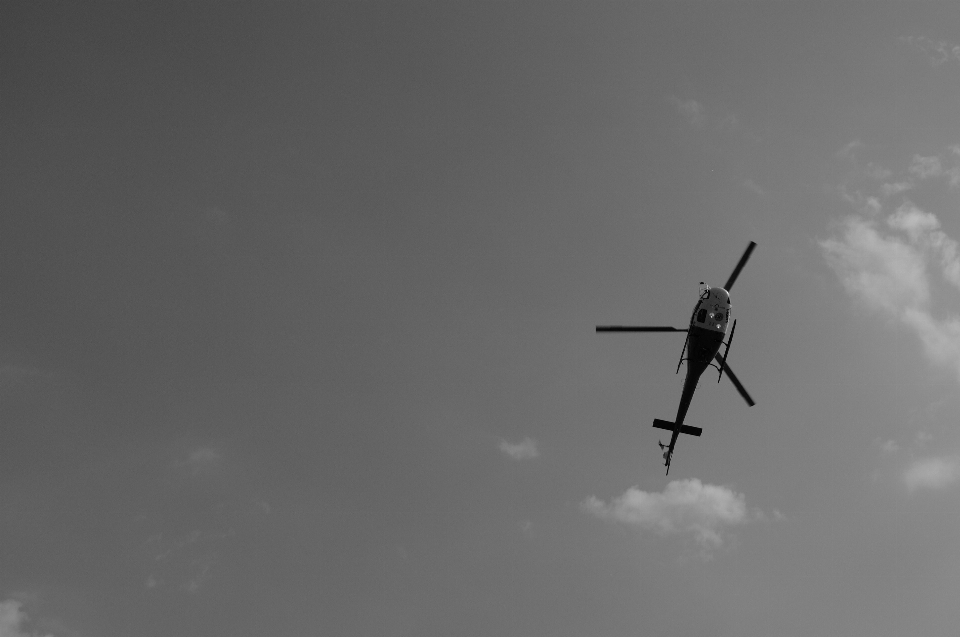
[
  {"x": 524, "y": 450},
  {"x": 685, "y": 507}
]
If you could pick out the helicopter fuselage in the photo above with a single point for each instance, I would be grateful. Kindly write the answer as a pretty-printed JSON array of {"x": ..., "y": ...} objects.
[
  {"x": 708, "y": 326},
  {"x": 705, "y": 334}
]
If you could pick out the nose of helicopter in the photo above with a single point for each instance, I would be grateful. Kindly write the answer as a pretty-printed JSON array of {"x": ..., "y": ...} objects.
[
  {"x": 713, "y": 310},
  {"x": 719, "y": 313}
]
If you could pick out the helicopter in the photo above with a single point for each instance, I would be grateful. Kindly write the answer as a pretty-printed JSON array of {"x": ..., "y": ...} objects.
[{"x": 708, "y": 326}]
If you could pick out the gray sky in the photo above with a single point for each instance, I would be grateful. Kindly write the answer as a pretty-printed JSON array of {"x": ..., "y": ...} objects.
[{"x": 297, "y": 308}]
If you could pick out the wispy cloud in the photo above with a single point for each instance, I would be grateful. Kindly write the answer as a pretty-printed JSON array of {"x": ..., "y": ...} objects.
[
  {"x": 938, "y": 51},
  {"x": 890, "y": 264},
  {"x": 14, "y": 621},
  {"x": 177, "y": 556},
  {"x": 686, "y": 507},
  {"x": 724, "y": 122},
  {"x": 526, "y": 527},
  {"x": 524, "y": 450},
  {"x": 889, "y": 448},
  {"x": 868, "y": 206},
  {"x": 883, "y": 271},
  {"x": 879, "y": 173},
  {"x": 849, "y": 151},
  {"x": 200, "y": 574},
  {"x": 932, "y": 167},
  {"x": 932, "y": 473},
  {"x": 753, "y": 187},
  {"x": 691, "y": 109},
  {"x": 921, "y": 168},
  {"x": 185, "y": 559},
  {"x": 923, "y": 229},
  {"x": 925, "y": 167},
  {"x": 895, "y": 188},
  {"x": 199, "y": 461}
]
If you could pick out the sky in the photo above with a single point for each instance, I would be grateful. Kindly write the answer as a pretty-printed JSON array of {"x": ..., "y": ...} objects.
[{"x": 297, "y": 308}]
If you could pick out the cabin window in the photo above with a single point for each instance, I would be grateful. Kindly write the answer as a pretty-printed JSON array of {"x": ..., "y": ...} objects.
[{"x": 702, "y": 316}]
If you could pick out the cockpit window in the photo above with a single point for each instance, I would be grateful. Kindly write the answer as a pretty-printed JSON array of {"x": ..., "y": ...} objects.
[{"x": 701, "y": 316}]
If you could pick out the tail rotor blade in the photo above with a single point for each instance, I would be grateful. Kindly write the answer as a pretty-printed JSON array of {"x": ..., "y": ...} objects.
[
  {"x": 740, "y": 264},
  {"x": 637, "y": 328},
  {"x": 733, "y": 379}
]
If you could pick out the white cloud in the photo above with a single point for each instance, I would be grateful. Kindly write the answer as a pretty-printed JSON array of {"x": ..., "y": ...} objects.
[
  {"x": 940, "y": 338},
  {"x": 932, "y": 473},
  {"x": 925, "y": 167},
  {"x": 928, "y": 167},
  {"x": 885, "y": 272},
  {"x": 923, "y": 228},
  {"x": 913, "y": 221},
  {"x": 691, "y": 109},
  {"x": 521, "y": 450},
  {"x": 888, "y": 272},
  {"x": 684, "y": 507},
  {"x": 13, "y": 621},
  {"x": 922, "y": 168}
]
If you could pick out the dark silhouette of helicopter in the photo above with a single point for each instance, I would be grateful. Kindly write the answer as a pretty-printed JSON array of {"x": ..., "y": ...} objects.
[{"x": 708, "y": 326}]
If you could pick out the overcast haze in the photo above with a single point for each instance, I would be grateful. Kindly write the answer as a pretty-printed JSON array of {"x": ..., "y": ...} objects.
[{"x": 297, "y": 308}]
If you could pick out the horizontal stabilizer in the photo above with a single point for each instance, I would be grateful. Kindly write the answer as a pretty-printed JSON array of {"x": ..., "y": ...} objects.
[
  {"x": 684, "y": 429},
  {"x": 638, "y": 328}
]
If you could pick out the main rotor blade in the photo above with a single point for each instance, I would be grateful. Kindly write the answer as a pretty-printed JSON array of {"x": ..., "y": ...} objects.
[
  {"x": 733, "y": 379},
  {"x": 736, "y": 270},
  {"x": 637, "y": 328}
]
